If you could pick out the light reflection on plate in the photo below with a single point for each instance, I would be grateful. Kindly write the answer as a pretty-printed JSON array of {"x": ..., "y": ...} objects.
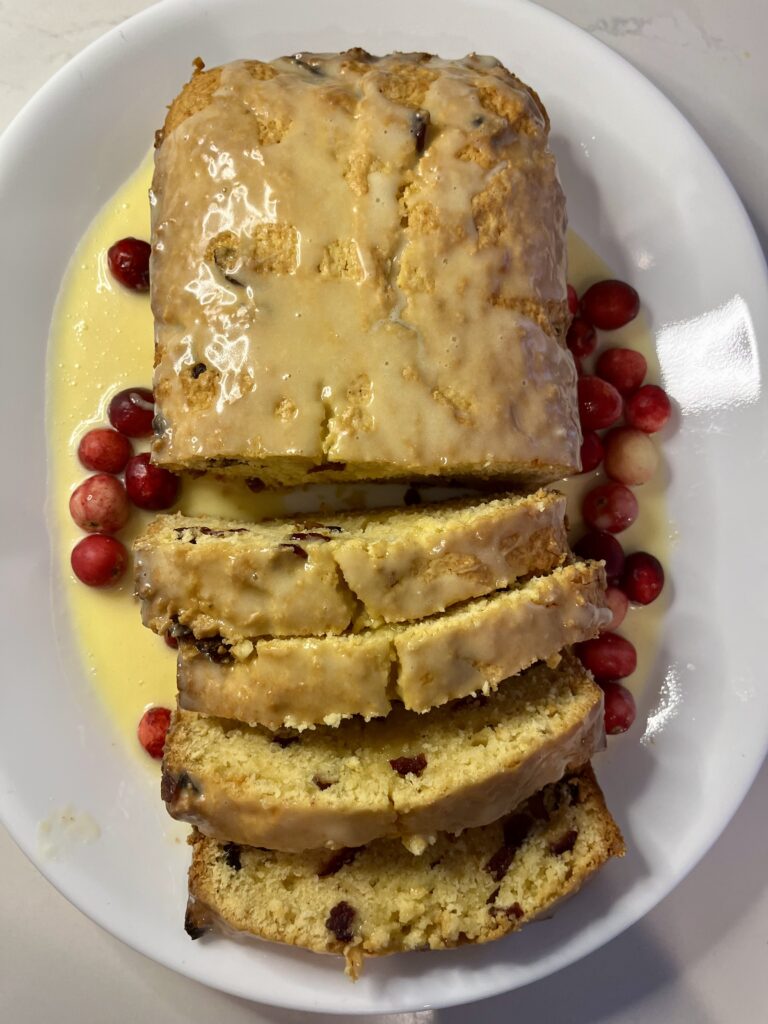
[{"x": 648, "y": 196}]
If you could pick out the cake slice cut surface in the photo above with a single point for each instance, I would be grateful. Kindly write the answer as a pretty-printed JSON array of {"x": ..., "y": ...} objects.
[
  {"x": 381, "y": 899},
  {"x": 408, "y": 775}
]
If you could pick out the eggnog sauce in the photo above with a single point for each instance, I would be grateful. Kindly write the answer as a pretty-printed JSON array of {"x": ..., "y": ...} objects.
[{"x": 101, "y": 342}]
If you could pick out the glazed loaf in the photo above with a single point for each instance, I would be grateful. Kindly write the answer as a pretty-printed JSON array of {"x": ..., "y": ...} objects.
[
  {"x": 408, "y": 775},
  {"x": 328, "y": 575},
  {"x": 301, "y": 682},
  {"x": 380, "y": 899},
  {"x": 358, "y": 272}
]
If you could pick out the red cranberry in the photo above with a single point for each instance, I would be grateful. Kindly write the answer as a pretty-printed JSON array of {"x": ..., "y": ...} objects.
[
  {"x": 132, "y": 411},
  {"x": 104, "y": 450},
  {"x": 573, "y": 300},
  {"x": 608, "y": 656},
  {"x": 630, "y": 456},
  {"x": 618, "y": 603},
  {"x": 623, "y": 367},
  {"x": 149, "y": 486},
  {"x": 611, "y": 507},
  {"x": 643, "y": 577},
  {"x": 648, "y": 409},
  {"x": 600, "y": 403},
  {"x": 620, "y": 708},
  {"x": 610, "y": 304},
  {"x": 602, "y": 547},
  {"x": 99, "y": 504},
  {"x": 591, "y": 451},
  {"x": 171, "y": 640},
  {"x": 98, "y": 560},
  {"x": 128, "y": 261},
  {"x": 581, "y": 338},
  {"x": 152, "y": 730}
]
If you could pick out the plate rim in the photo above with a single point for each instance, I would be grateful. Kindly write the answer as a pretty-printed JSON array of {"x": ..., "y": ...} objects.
[{"x": 24, "y": 121}]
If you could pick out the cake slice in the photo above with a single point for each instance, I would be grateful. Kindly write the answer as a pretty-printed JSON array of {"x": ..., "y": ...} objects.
[
  {"x": 358, "y": 272},
  {"x": 407, "y": 775},
  {"x": 331, "y": 574},
  {"x": 300, "y": 682},
  {"x": 381, "y": 899}
]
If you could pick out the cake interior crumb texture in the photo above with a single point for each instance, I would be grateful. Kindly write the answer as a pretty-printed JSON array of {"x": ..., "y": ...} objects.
[
  {"x": 358, "y": 272},
  {"x": 381, "y": 899},
  {"x": 408, "y": 775}
]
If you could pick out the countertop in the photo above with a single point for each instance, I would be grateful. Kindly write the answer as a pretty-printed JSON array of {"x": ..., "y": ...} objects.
[{"x": 699, "y": 957}]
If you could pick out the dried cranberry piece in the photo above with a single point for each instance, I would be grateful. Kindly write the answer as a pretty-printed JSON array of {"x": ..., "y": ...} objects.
[
  {"x": 498, "y": 864},
  {"x": 232, "y": 853},
  {"x": 337, "y": 861},
  {"x": 340, "y": 921},
  {"x": 564, "y": 844},
  {"x": 297, "y": 549},
  {"x": 409, "y": 765}
]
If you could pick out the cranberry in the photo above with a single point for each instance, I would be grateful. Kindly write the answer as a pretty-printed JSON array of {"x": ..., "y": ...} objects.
[
  {"x": 602, "y": 547},
  {"x": 98, "y": 560},
  {"x": 618, "y": 603},
  {"x": 611, "y": 507},
  {"x": 149, "y": 486},
  {"x": 581, "y": 338},
  {"x": 128, "y": 261},
  {"x": 630, "y": 456},
  {"x": 620, "y": 708},
  {"x": 622, "y": 367},
  {"x": 608, "y": 656},
  {"x": 152, "y": 730},
  {"x": 104, "y": 450},
  {"x": 643, "y": 577},
  {"x": 648, "y": 409},
  {"x": 171, "y": 640},
  {"x": 99, "y": 504},
  {"x": 132, "y": 411},
  {"x": 610, "y": 304},
  {"x": 599, "y": 403},
  {"x": 591, "y": 452},
  {"x": 573, "y": 300}
]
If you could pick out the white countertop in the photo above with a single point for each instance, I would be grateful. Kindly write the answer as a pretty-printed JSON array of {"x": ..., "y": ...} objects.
[{"x": 700, "y": 957}]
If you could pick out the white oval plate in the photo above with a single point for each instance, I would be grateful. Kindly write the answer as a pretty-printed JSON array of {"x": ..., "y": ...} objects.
[{"x": 647, "y": 194}]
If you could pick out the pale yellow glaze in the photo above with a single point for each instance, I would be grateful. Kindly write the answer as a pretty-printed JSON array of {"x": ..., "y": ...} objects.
[
  {"x": 101, "y": 341},
  {"x": 301, "y": 682},
  {"x": 316, "y": 271}
]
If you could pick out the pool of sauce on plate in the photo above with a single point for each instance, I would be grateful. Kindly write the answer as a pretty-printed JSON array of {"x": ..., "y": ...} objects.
[{"x": 101, "y": 342}]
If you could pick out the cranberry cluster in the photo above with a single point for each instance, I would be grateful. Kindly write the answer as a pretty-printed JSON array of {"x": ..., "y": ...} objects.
[
  {"x": 100, "y": 504},
  {"x": 629, "y": 457}
]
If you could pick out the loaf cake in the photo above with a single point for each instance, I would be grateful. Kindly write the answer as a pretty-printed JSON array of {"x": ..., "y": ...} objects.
[
  {"x": 300, "y": 682},
  {"x": 380, "y": 899},
  {"x": 358, "y": 272},
  {"x": 333, "y": 574},
  {"x": 408, "y": 775}
]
